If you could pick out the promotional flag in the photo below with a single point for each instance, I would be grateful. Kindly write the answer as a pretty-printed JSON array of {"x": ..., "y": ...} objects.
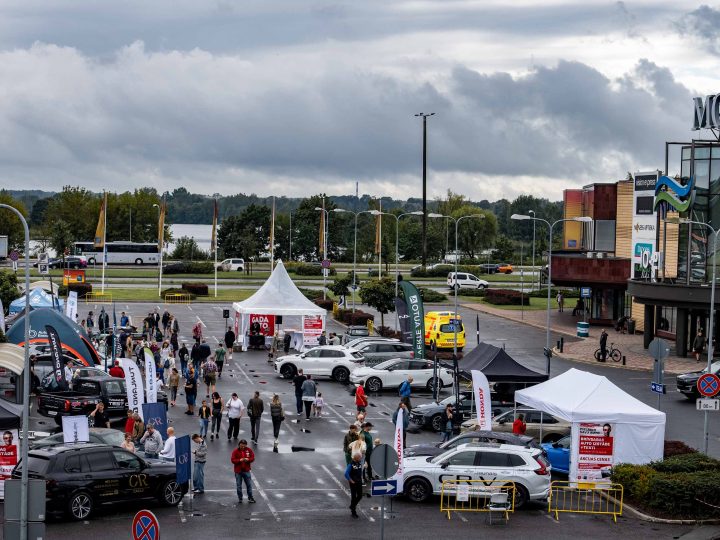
[
  {"x": 57, "y": 357},
  {"x": 182, "y": 459},
  {"x": 398, "y": 443},
  {"x": 156, "y": 415},
  {"x": 71, "y": 305},
  {"x": 76, "y": 429},
  {"x": 481, "y": 390},
  {"x": 100, "y": 230},
  {"x": 272, "y": 235},
  {"x": 416, "y": 318},
  {"x": 404, "y": 318},
  {"x": 150, "y": 376},
  {"x": 2, "y": 317},
  {"x": 8, "y": 457},
  {"x": 322, "y": 234},
  {"x": 213, "y": 236},
  {"x": 133, "y": 385},
  {"x": 161, "y": 225}
]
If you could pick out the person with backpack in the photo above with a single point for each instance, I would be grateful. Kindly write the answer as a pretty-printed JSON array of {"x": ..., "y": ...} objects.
[
  {"x": 405, "y": 390},
  {"x": 210, "y": 370}
]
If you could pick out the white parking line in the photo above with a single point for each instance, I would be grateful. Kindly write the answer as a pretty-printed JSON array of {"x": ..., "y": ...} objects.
[
  {"x": 200, "y": 321},
  {"x": 218, "y": 341},
  {"x": 267, "y": 499},
  {"x": 243, "y": 372}
]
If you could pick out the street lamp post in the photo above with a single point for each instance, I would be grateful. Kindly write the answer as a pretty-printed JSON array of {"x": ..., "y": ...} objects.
[
  {"x": 424, "y": 187},
  {"x": 25, "y": 441},
  {"x": 324, "y": 247},
  {"x": 583, "y": 219},
  {"x": 160, "y": 258},
  {"x": 356, "y": 214},
  {"x": 533, "y": 249}
]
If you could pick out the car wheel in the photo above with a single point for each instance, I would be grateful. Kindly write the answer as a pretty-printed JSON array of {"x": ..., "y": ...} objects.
[
  {"x": 80, "y": 506},
  {"x": 481, "y": 286},
  {"x": 431, "y": 384},
  {"x": 287, "y": 371},
  {"x": 138, "y": 261},
  {"x": 418, "y": 490},
  {"x": 373, "y": 384},
  {"x": 341, "y": 374},
  {"x": 551, "y": 438},
  {"x": 522, "y": 496},
  {"x": 436, "y": 422},
  {"x": 171, "y": 494}
]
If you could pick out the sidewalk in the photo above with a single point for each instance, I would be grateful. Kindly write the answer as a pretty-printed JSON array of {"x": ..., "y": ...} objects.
[{"x": 583, "y": 349}]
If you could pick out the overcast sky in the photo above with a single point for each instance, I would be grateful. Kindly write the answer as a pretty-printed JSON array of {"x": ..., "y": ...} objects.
[{"x": 294, "y": 97}]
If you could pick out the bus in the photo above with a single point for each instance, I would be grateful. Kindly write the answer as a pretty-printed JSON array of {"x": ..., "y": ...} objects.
[{"x": 119, "y": 252}]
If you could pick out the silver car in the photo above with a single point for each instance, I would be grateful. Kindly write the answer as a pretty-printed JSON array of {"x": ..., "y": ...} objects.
[{"x": 376, "y": 352}]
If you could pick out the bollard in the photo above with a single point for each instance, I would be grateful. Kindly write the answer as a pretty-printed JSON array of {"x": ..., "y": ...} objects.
[
  {"x": 623, "y": 359},
  {"x": 562, "y": 344},
  {"x": 557, "y": 345}
]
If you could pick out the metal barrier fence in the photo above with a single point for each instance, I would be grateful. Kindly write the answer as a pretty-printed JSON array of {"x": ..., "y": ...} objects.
[
  {"x": 585, "y": 498},
  {"x": 177, "y": 298},
  {"x": 98, "y": 298},
  {"x": 478, "y": 496}
]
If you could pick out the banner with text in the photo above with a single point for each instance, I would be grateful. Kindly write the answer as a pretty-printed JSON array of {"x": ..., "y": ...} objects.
[
  {"x": 56, "y": 356},
  {"x": 313, "y": 326},
  {"x": 592, "y": 452},
  {"x": 150, "y": 376},
  {"x": 133, "y": 384},
  {"x": 417, "y": 317},
  {"x": 182, "y": 459},
  {"x": 398, "y": 445},
  {"x": 481, "y": 390},
  {"x": 266, "y": 322},
  {"x": 404, "y": 319},
  {"x": 156, "y": 415},
  {"x": 9, "y": 448},
  {"x": 71, "y": 305}
]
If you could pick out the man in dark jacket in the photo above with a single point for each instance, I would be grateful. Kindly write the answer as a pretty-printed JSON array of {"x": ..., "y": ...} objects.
[
  {"x": 229, "y": 341},
  {"x": 255, "y": 409},
  {"x": 603, "y": 345},
  {"x": 353, "y": 474},
  {"x": 349, "y": 438},
  {"x": 298, "y": 381}
]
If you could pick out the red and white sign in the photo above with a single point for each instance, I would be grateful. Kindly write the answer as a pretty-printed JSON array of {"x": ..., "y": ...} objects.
[
  {"x": 145, "y": 526},
  {"x": 267, "y": 323},
  {"x": 481, "y": 387},
  {"x": 313, "y": 326},
  {"x": 708, "y": 384},
  {"x": 594, "y": 452},
  {"x": 8, "y": 456}
]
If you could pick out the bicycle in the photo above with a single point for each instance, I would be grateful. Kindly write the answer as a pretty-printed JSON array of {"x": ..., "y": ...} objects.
[{"x": 611, "y": 352}]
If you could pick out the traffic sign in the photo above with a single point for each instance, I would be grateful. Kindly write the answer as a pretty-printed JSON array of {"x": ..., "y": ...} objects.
[
  {"x": 145, "y": 526},
  {"x": 585, "y": 292},
  {"x": 658, "y": 388},
  {"x": 708, "y": 384},
  {"x": 14, "y": 255},
  {"x": 325, "y": 263},
  {"x": 708, "y": 404},
  {"x": 659, "y": 349},
  {"x": 43, "y": 263},
  {"x": 384, "y": 460},
  {"x": 383, "y": 487}
]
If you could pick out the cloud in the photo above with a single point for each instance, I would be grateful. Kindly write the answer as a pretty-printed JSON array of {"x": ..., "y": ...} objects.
[{"x": 703, "y": 26}]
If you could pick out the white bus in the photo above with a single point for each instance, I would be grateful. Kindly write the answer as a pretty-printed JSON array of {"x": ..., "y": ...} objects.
[{"x": 119, "y": 252}]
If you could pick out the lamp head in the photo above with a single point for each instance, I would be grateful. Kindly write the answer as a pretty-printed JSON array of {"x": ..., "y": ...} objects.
[
  {"x": 318, "y": 208},
  {"x": 520, "y": 217},
  {"x": 339, "y": 210},
  {"x": 374, "y": 212},
  {"x": 416, "y": 213},
  {"x": 431, "y": 215},
  {"x": 583, "y": 219}
]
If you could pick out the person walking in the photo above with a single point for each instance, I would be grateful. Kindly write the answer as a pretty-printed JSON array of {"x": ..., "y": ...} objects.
[
  {"x": 183, "y": 354},
  {"x": 255, "y": 409},
  {"x": 405, "y": 390},
  {"x": 277, "y": 415},
  {"x": 220, "y": 353},
  {"x": 173, "y": 383},
  {"x": 205, "y": 412},
  {"x": 229, "y": 340},
  {"x": 210, "y": 370},
  {"x": 603, "y": 345},
  {"x": 190, "y": 391},
  {"x": 167, "y": 360},
  {"x": 447, "y": 423},
  {"x": 349, "y": 438},
  {"x": 698, "y": 345},
  {"x": 138, "y": 428},
  {"x": 358, "y": 446},
  {"x": 361, "y": 400},
  {"x": 168, "y": 451},
  {"x": 242, "y": 458},
  {"x": 366, "y": 429},
  {"x": 353, "y": 474},
  {"x": 196, "y": 358},
  {"x": 200, "y": 454},
  {"x": 519, "y": 426},
  {"x": 174, "y": 344},
  {"x": 152, "y": 442},
  {"x": 217, "y": 407},
  {"x": 165, "y": 322},
  {"x": 298, "y": 381},
  {"x": 560, "y": 301},
  {"x": 406, "y": 420},
  {"x": 309, "y": 390},
  {"x": 235, "y": 408}
]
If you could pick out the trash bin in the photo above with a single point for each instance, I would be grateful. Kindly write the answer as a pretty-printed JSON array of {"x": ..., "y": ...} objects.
[
  {"x": 631, "y": 326},
  {"x": 583, "y": 329}
]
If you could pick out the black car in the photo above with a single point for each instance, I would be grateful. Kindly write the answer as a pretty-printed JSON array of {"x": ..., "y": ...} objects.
[
  {"x": 687, "y": 382},
  {"x": 470, "y": 437},
  {"x": 430, "y": 414},
  {"x": 353, "y": 332},
  {"x": 80, "y": 478},
  {"x": 488, "y": 268}
]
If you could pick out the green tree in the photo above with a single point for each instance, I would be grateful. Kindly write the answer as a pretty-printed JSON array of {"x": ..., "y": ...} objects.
[
  {"x": 474, "y": 234},
  {"x": 8, "y": 289},
  {"x": 246, "y": 235},
  {"x": 379, "y": 294},
  {"x": 342, "y": 283},
  {"x": 187, "y": 249},
  {"x": 10, "y": 223},
  {"x": 61, "y": 237},
  {"x": 504, "y": 248}
]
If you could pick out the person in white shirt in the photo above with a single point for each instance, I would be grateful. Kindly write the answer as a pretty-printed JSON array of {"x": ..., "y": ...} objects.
[
  {"x": 68, "y": 373},
  {"x": 168, "y": 451},
  {"x": 235, "y": 408}
]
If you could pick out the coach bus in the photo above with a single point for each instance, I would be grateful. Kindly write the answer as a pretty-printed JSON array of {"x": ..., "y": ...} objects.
[{"x": 119, "y": 252}]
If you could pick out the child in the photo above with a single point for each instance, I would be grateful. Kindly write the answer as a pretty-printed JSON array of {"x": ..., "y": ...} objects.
[{"x": 318, "y": 405}]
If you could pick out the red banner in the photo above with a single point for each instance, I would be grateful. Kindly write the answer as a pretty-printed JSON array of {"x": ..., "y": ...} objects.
[{"x": 267, "y": 323}]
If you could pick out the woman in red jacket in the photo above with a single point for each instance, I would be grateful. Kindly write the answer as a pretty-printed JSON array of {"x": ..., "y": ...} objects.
[
  {"x": 519, "y": 425},
  {"x": 361, "y": 400}
]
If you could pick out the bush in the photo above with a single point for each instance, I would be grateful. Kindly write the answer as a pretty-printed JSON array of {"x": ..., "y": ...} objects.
[
  {"x": 567, "y": 293},
  {"x": 374, "y": 273},
  {"x": 359, "y": 318},
  {"x": 303, "y": 269},
  {"x": 310, "y": 294},
  {"x": 505, "y": 297},
  {"x": 82, "y": 289},
  {"x": 687, "y": 463},
  {"x": 683, "y": 495},
  {"x": 428, "y": 295},
  {"x": 176, "y": 290},
  {"x": 386, "y": 331},
  {"x": 198, "y": 289},
  {"x": 189, "y": 267},
  {"x": 472, "y": 292},
  {"x": 635, "y": 479},
  {"x": 325, "y": 304},
  {"x": 677, "y": 448}
]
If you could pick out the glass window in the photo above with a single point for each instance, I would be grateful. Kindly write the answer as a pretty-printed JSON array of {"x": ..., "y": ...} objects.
[
  {"x": 114, "y": 387},
  {"x": 450, "y": 328},
  {"x": 418, "y": 365},
  {"x": 72, "y": 464},
  {"x": 37, "y": 465},
  {"x": 100, "y": 461},
  {"x": 702, "y": 152},
  {"x": 125, "y": 460},
  {"x": 462, "y": 459},
  {"x": 386, "y": 348},
  {"x": 516, "y": 461},
  {"x": 314, "y": 353},
  {"x": 401, "y": 365},
  {"x": 402, "y": 347}
]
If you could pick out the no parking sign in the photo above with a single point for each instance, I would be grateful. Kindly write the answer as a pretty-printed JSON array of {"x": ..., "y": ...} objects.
[{"x": 145, "y": 526}]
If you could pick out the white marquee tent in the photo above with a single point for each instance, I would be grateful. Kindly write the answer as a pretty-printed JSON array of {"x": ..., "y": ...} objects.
[
  {"x": 280, "y": 296},
  {"x": 581, "y": 397}
]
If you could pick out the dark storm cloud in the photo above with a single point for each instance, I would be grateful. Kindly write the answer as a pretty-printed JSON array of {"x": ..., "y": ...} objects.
[{"x": 703, "y": 25}]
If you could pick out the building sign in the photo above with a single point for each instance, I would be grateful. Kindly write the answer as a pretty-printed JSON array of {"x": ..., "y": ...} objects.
[
  {"x": 644, "y": 221},
  {"x": 73, "y": 276},
  {"x": 593, "y": 453},
  {"x": 706, "y": 113},
  {"x": 670, "y": 194},
  {"x": 266, "y": 322}
]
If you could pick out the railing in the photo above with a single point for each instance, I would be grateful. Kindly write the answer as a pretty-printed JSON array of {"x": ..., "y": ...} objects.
[
  {"x": 478, "y": 496},
  {"x": 98, "y": 298},
  {"x": 596, "y": 498},
  {"x": 177, "y": 298}
]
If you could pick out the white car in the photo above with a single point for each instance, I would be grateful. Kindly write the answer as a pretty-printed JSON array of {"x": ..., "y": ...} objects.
[
  {"x": 333, "y": 361},
  {"x": 423, "y": 476},
  {"x": 353, "y": 343},
  {"x": 232, "y": 265},
  {"x": 391, "y": 374},
  {"x": 465, "y": 281}
]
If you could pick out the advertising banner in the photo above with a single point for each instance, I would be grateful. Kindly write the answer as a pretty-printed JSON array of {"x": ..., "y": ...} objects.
[
  {"x": 593, "y": 446},
  {"x": 150, "y": 376},
  {"x": 313, "y": 326},
  {"x": 481, "y": 391},
  {"x": 2, "y": 317},
  {"x": 76, "y": 429},
  {"x": 71, "y": 305},
  {"x": 182, "y": 459},
  {"x": 8, "y": 456},
  {"x": 404, "y": 318},
  {"x": 156, "y": 415},
  {"x": 398, "y": 445},
  {"x": 73, "y": 276},
  {"x": 133, "y": 383},
  {"x": 57, "y": 357},
  {"x": 417, "y": 317},
  {"x": 266, "y": 322},
  {"x": 643, "y": 226}
]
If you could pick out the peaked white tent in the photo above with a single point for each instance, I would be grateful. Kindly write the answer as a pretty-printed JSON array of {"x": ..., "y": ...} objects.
[
  {"x": 586, "y": 399},
  {"x": 280, "y": 296}
]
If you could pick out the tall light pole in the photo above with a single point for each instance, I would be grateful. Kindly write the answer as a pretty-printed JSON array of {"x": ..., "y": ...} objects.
[
  {"x": 25, "y": 440},
  {"x": 356, "y": 214},
  {"x": 161, "y": 255},
  {"x": 521, "y": 217},
  {"x": 533, "y": 249},
  {"x": 424, "y": 187},
  {"x": 324, "y": 248}
]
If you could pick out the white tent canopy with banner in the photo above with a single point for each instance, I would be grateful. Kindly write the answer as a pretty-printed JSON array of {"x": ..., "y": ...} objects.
[
  {"x": 280, "y": 296},
  {"x": 609, "y": 426}
]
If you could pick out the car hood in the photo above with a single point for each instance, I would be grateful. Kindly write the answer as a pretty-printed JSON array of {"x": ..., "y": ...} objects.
[
  {"x": 420, "y": 450},
  {"x": 692, "y": 376},
  {"x": 427, "y": 408},
  {"x": 160, "y": 466},
  {"x": 288, "y": 357},
  {"x": 365, "y": 370}
]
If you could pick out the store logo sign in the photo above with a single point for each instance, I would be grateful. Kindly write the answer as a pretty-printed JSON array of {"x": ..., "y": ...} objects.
[
  {"x": 638, "y": 227},
  {"x": 672, "y": 195},
  {"x": 707, "y": 113}
]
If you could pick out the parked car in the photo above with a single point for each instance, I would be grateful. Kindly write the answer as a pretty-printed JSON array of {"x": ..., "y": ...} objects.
[
  {"x": 98, "y": 435},
  {"x": 440, "y": 330},
  {"x": 43, "y": 364},
  {"x": 505, "y": 268},
  {"x": 687, "y": 382},
  {"x": 553, "y": 428},
  {"x": 428, "y": 415},
  {"x": 558, "y": 454},
  {"x": 353, "y": 343},
  {"x": 488, "y": 268},
  {"x": 465, "y": 281},
  {"x": 333, "y": 361},
  {"x": 80, "y": 477},
  {"x": 353, "y": 332},
  {"x": 232, "y": 265},
  {"x": 49, "y": 384},
  {"x": 497, "y": 437},
  {"x": 376, "y": 352},
  {"x": 526, "y": 467},
  {"x": 391, "y": 374}
]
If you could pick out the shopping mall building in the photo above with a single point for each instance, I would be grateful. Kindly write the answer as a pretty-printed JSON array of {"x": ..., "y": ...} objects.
[{"x": 637, "y": 255}]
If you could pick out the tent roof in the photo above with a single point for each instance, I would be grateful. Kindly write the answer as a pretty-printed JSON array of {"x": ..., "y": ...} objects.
[
  {"x": 579, "y": 396},
  {"x": 12, "y": 358},
  {"x": 46, "y": 285},
  {"x": 498, "y": 366},
  {"x": 38, "y": 298},
  {"x": 278, "y": 296}
]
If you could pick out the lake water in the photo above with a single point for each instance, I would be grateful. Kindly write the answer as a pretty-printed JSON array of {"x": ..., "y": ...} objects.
[{"x": 201, "y": 234}]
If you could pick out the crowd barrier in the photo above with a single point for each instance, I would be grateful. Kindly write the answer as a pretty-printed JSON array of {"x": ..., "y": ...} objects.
[
  {"x": 98, "y": 298},
  {"x": 177, "y": 298},
  {"x": 491, "y": 496},
  {"x": 596, "y": 498}
]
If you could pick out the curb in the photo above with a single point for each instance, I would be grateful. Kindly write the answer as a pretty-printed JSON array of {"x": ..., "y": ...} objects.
[{"x": 652, "y": 519}]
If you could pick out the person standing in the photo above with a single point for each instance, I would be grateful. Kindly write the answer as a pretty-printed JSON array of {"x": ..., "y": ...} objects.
[
  {"x": 446, "y": 421},
  {"x": 199, "y": 468},
  {"x": 99, "y": 416},
  {"x": 367, "y": 428},
  {"x": 127, "y": 444},
  {"x": 220, "y": 359},
  {"x": 124, "y": 320},
  {"x": 235, "y": 408},
  {"x": 406, "y": 420},
  {"x": 153, "y": 442},
  {"x": 165, "y": 322},
  {"x": 603, "y": 345},
  {"x": 129, "y": 422},
  {"x": 353, "y": 474},
  {"x": 217, "y": 407},
  {"x": 116, "y": 370},
  {"x": 322, "y": 340},
  {"x": 196, "y": 358},
  {"x": 405, "y": 391},
  {"x": 174, "y": 344},
  {"x": 89, "y": 323},
  {"x": 173, "y": 383},
  {"x": 229, "y": 342},
  {"x": 242, "y": 458},
  {"x": 309, "y": 390},
  {"x": 358, "y": 446},
  {"x": 361, "y": 400},
  {"x": 698, "y": 345},
  {"x": 168, "y": 451},
  {"x": 210, "y": 370},
  {"x": 183, "y": 354},
  {"x": 204, "y": 413},
  {"x": 167, "y": 360},
  {"x": 190, "y": 391},
  {"x": 298, "y": 381},
  {"x": 560, "y": 301},
  {"x": 255, "y": 409},
  {"x": 138, "y": 428},
  {"x": 519, "y": 426},
  {"x": 349, "y": 438},
  {"x": 277, "y": 415}
]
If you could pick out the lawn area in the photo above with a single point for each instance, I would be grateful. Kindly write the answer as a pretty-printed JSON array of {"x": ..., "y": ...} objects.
[
  {"x": 151, "y": 295},
  {"x": 535, "y": 304}
]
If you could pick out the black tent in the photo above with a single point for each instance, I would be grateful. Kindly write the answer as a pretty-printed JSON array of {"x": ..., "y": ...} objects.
[{"x": 498, "y": 366}]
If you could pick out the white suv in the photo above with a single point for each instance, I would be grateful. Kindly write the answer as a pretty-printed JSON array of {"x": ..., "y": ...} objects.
[
  {"x": 333, "y": 361},
  {"x": 465, "y": 281},
  {"x": 232, "y": 265},
  {"x": 423, "y": 476}
]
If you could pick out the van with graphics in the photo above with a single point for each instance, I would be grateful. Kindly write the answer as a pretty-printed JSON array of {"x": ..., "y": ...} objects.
[{"x": 440, "y": 330}]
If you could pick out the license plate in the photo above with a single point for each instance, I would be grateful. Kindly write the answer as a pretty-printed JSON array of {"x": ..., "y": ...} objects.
[{"x": 116, "y": 402}]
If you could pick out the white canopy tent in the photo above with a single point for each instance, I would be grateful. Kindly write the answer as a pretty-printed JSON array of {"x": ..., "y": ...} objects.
[
  {"x": 638, "y": 430},
  {"x": 279, "y": 296}
]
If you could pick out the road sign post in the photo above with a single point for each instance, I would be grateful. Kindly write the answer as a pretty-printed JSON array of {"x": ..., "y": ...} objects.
[
  {"x": 659, "y": 350},
  {"x": 708, "y": 384},
  {"x": 145, "y": 526},
  {"x": 43, "y": 264},
  {"x": 706, "y": 404},
  {"x": 384, "y": 461}
]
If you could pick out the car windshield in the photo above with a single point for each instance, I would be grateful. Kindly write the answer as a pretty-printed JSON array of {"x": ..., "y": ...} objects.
[
  {"x": 38, "y": 465},
  {"x": 112, "y": 436},
  {"x": 563, "y": 443},
  {"x": 448, "y": 328}
]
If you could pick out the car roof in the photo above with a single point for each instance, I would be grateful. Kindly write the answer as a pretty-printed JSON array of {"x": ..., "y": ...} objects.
[
  {"x": 497, "y": 434},
  {"x": 50, "y": 451},
  {"x": 496, "y": 446},
  {"x": 332, "y": 348}
]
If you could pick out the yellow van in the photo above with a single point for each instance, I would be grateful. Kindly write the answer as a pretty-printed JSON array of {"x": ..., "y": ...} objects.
[{"x": 440, "y": 330}]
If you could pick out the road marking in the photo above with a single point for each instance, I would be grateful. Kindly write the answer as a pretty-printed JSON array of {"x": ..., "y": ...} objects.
[
  {"x": 345, "y": 491},
  {"x": 267, "y": 499},
  {"x": 303, "y": 489},
  {"x": 340, "y": 416},
  {"x": 200, "y": 321},
  {"x": 216, "y": 339},
  {"x": 188, "y": 306},
  {"x": 460, "y": 516},
  {"x": 243, "y": 372}
]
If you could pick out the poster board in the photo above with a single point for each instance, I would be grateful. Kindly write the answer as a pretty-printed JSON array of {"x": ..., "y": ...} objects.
[
  {"x": 313, "y": 327},
  {"x": 593, "y": 450},
  {"x": 9, "y": 448},
  {"x": 266, "y": 322},
  {"x": 75, "y": 429}
]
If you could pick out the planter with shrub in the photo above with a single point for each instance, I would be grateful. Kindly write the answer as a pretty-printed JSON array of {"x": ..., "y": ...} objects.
[
  {"x": 188, "y": 267},
  {"x": 505, "y": 297},
  {"x": 176, "y": 290},
  {"x": 326, "y": 304},
  {"x": 359, "y": 318},
  {"x": 472, "y": 292},
  {"x": 428, "y": 295},
  {"x": 198, "y": 289},
  {"x": 82, "y": 289}
]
